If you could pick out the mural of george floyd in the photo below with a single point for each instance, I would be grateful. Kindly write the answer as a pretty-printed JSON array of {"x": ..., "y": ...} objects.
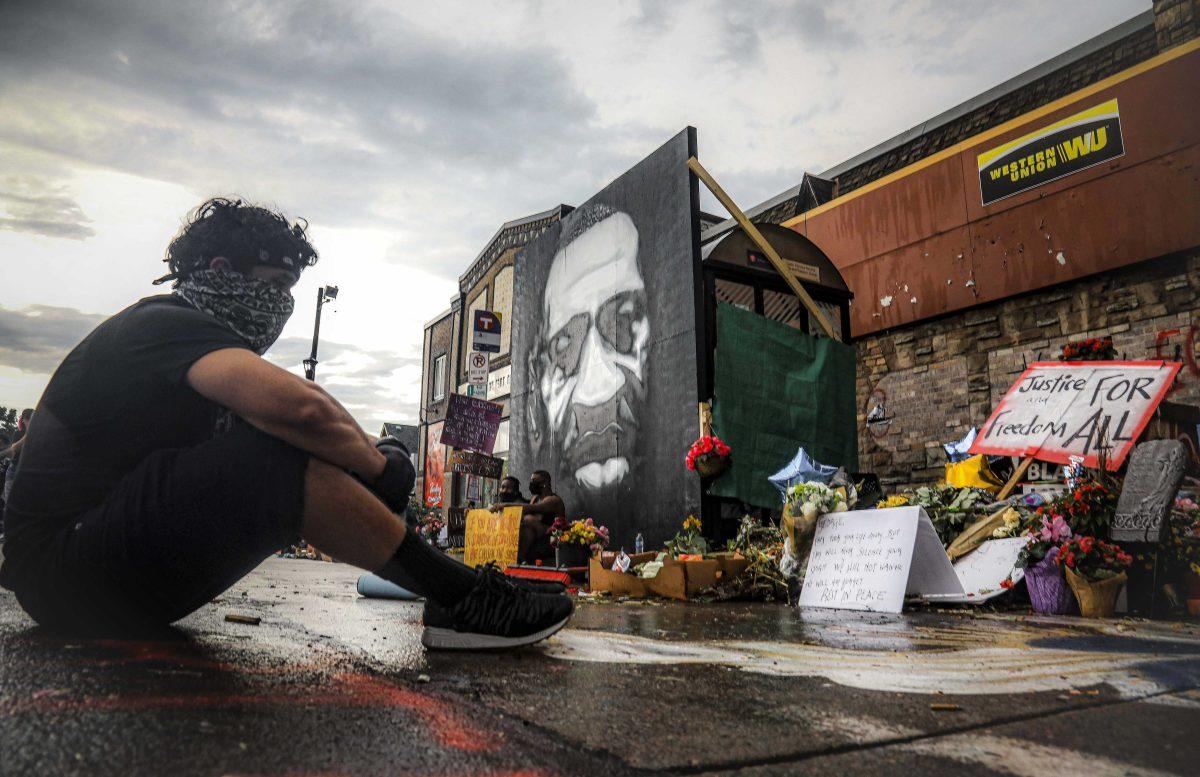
[{"x": 605, "y": 349}]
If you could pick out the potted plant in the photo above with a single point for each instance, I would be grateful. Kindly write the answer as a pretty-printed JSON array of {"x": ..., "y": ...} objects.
[
  {"x": 1095, "y": 572},
  {"x": 709, "y": 456},
  {"x": 575, "y": 541},
  {"x": 688, "y": 541},
  {"x": 1048, "y": 591}
]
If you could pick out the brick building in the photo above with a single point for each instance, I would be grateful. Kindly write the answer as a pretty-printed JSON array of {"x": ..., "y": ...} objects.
[
  {"x": 487, "y": 284},
  {"x": 958, "y": 287}
]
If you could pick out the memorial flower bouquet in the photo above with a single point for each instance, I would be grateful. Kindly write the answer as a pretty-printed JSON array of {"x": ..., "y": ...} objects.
[
  {"x": 688, "y": 541},
  {"x": 1094, "y": 349},
  {"x": 1181, "y": 547},
  {"x": 812, "y": 499},
  {"x": 431, "y": 525},
  {"x": 581, "y": 532},
  {"x": 1093, "y": 559},
  {"x": 1050, "y": 535},
  {"x": 1088, "y": 508},
  {"x": 1095, "y": 571},
  {"x": 708, "y": 455}
]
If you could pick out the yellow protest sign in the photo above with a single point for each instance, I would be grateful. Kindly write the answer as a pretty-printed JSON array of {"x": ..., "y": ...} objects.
[{"x": 492, "y": 537}]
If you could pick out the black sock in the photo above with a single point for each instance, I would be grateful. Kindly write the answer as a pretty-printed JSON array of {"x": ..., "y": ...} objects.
[{"x": 426, "y": 571}]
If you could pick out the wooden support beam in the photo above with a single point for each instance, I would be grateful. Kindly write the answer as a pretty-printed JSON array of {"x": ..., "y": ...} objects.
[
  {"x": 1017, "y": 474},
  {"x": 757, "y": 237},
  {"x": 705, "y": 419}
]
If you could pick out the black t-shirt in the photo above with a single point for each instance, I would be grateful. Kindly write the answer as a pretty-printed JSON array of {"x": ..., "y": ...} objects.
[{"x": 120, "y": 395}]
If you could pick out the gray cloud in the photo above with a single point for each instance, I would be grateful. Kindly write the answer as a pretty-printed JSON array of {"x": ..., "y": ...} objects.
[
  {"x": 33, "y": 204},
  {"x": 355, "y": 117},
  {"x": 366, "y": 391},
  {"x": 745, "y": 25},
  {"x": 37, "y": 338}
]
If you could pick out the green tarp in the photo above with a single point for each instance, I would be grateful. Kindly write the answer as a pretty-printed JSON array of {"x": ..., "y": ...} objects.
[{"x": 777, "y": 389}]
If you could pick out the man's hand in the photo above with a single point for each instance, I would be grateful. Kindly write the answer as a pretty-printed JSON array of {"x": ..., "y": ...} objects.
[{"x": 395, "y": 483}]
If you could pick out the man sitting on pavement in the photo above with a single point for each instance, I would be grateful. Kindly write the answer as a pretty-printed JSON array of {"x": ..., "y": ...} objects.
[
  {"x": 539, "y": 515},
  {"x": 128, "y": 511}
]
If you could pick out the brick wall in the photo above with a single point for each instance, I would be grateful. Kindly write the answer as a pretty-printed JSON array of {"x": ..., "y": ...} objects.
[
  {"x": 930, "y": 382},
  {"x": 1176, "y": 21},
  {"x": 441, "y": 341}
]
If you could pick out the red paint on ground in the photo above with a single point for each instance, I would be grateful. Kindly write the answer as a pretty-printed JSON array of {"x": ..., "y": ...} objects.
[{"x": 448, "y": 723}]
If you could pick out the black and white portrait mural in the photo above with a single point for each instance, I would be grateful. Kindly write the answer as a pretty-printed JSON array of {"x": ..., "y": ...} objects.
[{"x": 605, "y": 351}]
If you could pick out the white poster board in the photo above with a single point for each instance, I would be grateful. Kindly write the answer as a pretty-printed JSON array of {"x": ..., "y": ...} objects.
[
  {"x": 871, "y": 559},
  {"x": 981, "y": 571},
  {"x": 1057, "y": 410}
]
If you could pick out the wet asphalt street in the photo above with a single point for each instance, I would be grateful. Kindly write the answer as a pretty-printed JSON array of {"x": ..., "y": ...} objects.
[{"x": 332, "y": 684}]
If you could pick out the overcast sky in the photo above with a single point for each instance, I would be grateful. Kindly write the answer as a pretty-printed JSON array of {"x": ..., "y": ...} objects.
[{"x": 407, "y": 133}]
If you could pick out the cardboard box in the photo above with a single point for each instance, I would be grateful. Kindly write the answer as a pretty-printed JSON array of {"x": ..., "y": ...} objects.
[
  {"x": 601, "y": 577},
  {"x": 680, "y": 580}
]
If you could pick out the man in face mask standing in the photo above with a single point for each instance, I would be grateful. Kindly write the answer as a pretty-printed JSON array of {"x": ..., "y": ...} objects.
[{"x": 128, "y": 511}]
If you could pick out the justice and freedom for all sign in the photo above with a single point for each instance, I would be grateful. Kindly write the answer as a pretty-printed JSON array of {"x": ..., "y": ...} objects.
[{"x": 1057, "y": 410}]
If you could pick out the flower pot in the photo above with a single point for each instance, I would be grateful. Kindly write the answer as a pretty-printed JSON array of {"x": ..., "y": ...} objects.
[
  {"x": 710, "y": 465},
  {"x": 1193, "y": 593},
  {"x": 572, "y": 555},
  {"x": 1048, "y": 590},
  {"x": 1192, "y": 583},
  {"x": 1097, "y": 598}
]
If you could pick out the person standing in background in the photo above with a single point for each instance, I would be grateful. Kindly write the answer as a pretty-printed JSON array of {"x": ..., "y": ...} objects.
[{"x": 13, "y": 452}]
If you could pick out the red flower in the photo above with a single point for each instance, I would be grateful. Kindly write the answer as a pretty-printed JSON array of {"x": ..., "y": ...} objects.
[
  {"x": 1087, "y": 543},
  {"x": 1071, "y": 560},
  {"x": 1006, "y": 583}
]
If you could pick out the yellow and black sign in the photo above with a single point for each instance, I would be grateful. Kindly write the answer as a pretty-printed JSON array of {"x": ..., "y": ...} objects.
[
  {"x": 492, "y": 537},
  {"x": 1047, "y": 154}
]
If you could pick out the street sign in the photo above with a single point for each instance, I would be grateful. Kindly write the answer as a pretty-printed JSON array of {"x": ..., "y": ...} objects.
[
  {"x": 486, "y": 329},
  {"x": 472, "y": 463},
  {"x": 477, "y": 369}
]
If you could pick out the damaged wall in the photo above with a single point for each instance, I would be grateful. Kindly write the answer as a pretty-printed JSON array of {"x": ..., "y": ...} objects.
[
  {"x": 930, "y": 382},
  {"x": 921, "y": 242}
]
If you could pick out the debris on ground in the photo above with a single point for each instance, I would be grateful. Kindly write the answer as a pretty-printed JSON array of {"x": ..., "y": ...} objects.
[{"x": 249, "y": 620}]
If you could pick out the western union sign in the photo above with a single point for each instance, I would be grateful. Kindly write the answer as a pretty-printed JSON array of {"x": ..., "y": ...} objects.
[{"x": 1052, "y": 152}]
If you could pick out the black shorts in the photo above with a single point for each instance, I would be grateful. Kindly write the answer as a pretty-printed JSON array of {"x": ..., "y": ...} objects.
[{"x": 178, "y": 530}]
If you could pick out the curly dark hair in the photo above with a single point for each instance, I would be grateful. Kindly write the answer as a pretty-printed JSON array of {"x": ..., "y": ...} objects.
[{"x": 245, "y": 234}]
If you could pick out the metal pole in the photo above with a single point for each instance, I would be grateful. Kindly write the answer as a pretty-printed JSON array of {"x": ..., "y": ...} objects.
[{"x": 310, "y": 364}]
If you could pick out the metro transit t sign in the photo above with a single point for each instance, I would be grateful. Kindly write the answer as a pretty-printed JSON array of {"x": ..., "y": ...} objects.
[{"x": 486, "y": 329}]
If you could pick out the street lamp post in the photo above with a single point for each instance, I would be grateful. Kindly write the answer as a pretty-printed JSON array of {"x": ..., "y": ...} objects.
[{"x": 324, "y": 294}]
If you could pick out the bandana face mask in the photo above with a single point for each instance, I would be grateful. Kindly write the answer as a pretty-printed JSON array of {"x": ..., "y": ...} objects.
[{"x": 254, "y": 309}]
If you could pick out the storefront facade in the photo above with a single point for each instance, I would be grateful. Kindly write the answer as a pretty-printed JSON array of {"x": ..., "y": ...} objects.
[
  {"x": 1057, "y": 207},
  {"x": 487, "y": 284}
]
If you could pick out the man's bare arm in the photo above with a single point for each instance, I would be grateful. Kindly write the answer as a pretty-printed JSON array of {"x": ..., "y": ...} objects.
[
  {"x": 286, "y": 406},
  {"x": 13, "y": 449},
  {"x": 550, "y": 506}
]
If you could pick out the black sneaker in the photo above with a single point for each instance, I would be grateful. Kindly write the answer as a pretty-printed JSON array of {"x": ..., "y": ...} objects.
[{"x": 496, "y": 614}]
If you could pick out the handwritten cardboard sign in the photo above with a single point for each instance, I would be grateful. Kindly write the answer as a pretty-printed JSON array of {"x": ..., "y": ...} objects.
[
  {"x": 1057, "y": 410},
  {"x": 492, "y": 537},
  {"x": 872, "y": 559},
  {"x": 869, "y": 559},
  {"x": 471, "y": 463},
  {"x": 471, "y": 423}
]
